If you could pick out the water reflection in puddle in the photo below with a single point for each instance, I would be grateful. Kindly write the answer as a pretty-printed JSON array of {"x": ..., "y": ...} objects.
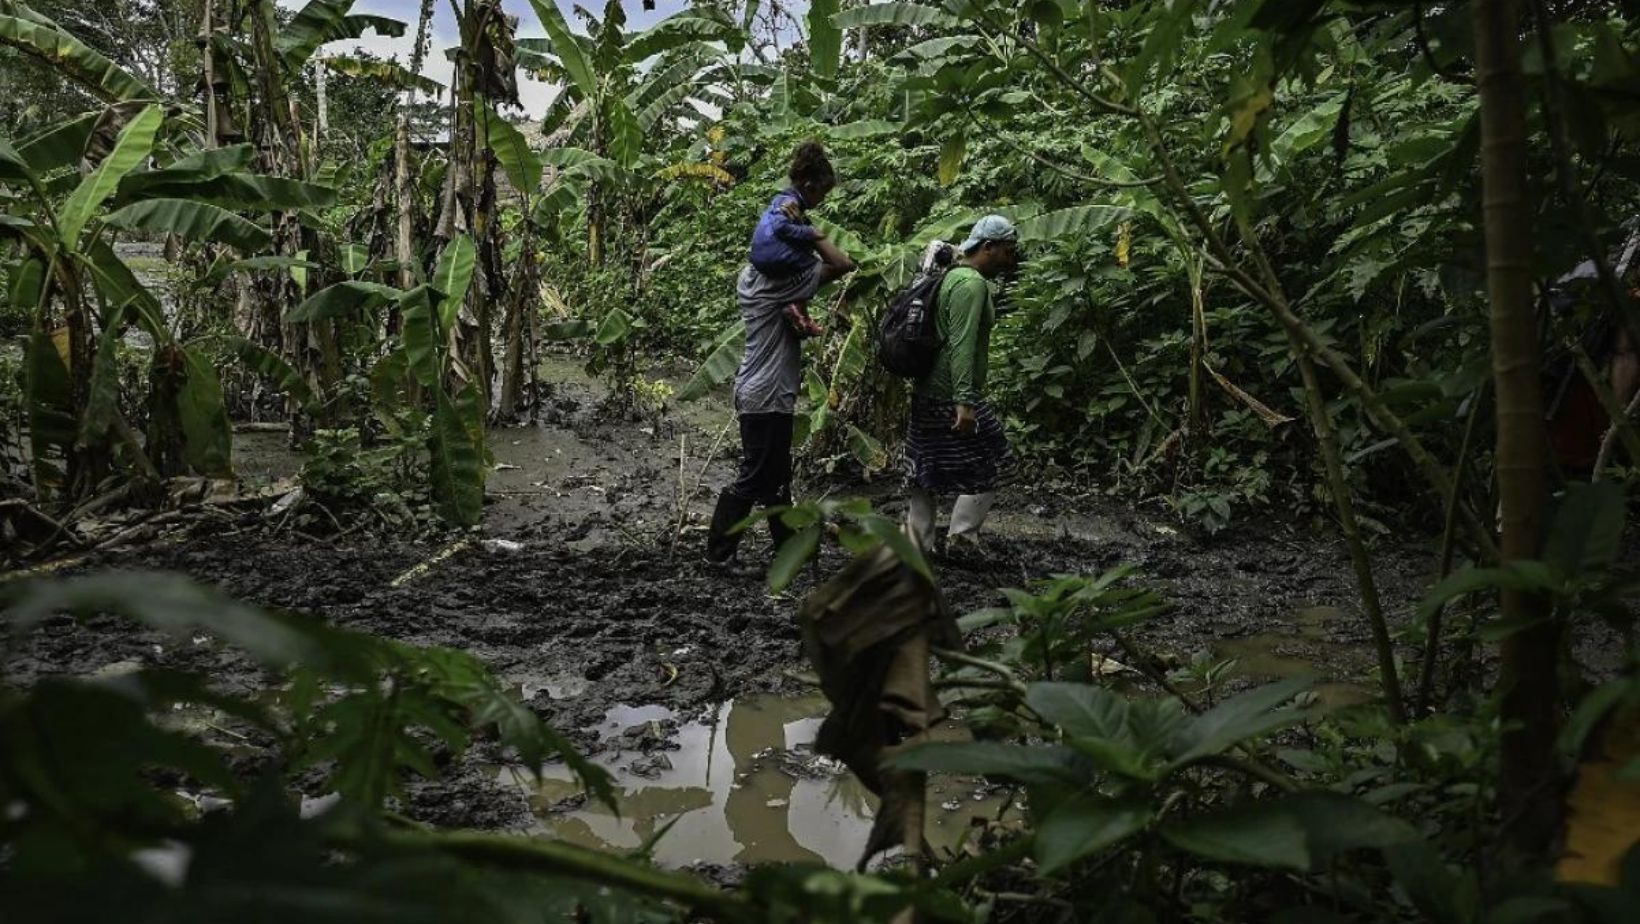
[
  {"x": 1308, "y": 650},
  {"x": 743, "y": 785}
]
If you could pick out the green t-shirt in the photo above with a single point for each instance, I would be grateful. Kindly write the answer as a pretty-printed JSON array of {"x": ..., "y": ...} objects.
[{"x": 964, "y": 324}]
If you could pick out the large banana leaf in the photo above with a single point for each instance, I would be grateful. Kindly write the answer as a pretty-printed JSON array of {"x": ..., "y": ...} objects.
[
  {"x": 22, "y": 28},
  {"x": 893, "y": 14},
  {"x": 195, "y": 221},
  {"x": 343, "y": 298},
  {"x": 567, "y": 46},
  {"x": 389, "y": 72},
  {"x": 825, "y": 38},
  {"x": 52, "y": 422},
  {"x": 209, "y": 162},
  {"x": 13, "y": 168},
  {"x": 457, "y": 461},
  {"x": 228, "y": 190},
  {"x": 699, "y": 25},
  {"x": 422, "y": 338},
  {"x": 272, "y": 365},
  {"x": 322, "y": 21},
  {"x": 1075, "y": 220},
  {"x": 662, "y": 103},
  {"x": 61, "y": 145},
  {"x": 721, "y": 363},
  {"x": 576, "y": 162},
  {"x": 132, "y": 147},
  {"x": 102, "y": 402},
  {"x": 625, "y": 134},
  {"x": 521, "y": 164},
  {"x": 119, "y": 286},
  {"x": 207, "y": 436},
  {"x": 452, "y": 277}
]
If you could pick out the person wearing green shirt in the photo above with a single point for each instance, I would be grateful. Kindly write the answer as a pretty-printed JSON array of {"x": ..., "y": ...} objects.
[{"x": 954, "y": 442}]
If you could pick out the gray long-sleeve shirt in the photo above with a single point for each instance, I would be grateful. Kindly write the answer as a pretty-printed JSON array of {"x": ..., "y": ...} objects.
[{"x": 771, "y": 370}]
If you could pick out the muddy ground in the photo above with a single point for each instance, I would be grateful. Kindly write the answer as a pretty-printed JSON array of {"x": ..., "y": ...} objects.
[{"x": 603, "y": 606}]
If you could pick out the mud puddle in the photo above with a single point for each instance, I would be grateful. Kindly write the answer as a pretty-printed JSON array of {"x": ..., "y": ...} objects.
[
  {"x": 1311, "y": 647},
  {"x": 738, "y": 783}
]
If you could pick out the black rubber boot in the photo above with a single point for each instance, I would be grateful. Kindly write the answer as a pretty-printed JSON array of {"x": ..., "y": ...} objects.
[{"x": 731, "y": 509}]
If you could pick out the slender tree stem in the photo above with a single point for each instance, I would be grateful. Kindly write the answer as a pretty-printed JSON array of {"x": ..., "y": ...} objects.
[
  {"x": 1432, "y": 644},
  {"x": 1528, "y": 678}
]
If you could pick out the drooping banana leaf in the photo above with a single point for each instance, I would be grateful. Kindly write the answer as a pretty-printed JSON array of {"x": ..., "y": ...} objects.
[
  {"x": 61, "y": 145},
  {"x": 323, "y": 21},
  {"x": 457, "y": 462},
  {"x": 135, "y": 142},
  {"x": 722, "y": 361},
  {"x": 452, "y": 277},
  {"x": 567, "y": 46},
  {"x": 273, "y": 366},
  {"x": 825, "y": 38},
  {"x": 194, "y": 221},
  {"x": 207, "y": 435},
  {"x": 102, "y": 402},
  {"x": 24, "y": 29},
  {"x": 512, "y": 150},
  {"x": 893, "y": 14},
  {"x": 344, "y": 298},
  {"x": 389, "y": 72},
  {"x": 52, "y": 421}
]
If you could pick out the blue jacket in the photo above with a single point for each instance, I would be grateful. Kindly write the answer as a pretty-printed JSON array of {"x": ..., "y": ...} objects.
[{"x": 783, "y": 246}]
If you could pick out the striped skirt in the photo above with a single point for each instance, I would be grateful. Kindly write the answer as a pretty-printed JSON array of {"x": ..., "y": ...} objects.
[{"x": 941, "y": 461}]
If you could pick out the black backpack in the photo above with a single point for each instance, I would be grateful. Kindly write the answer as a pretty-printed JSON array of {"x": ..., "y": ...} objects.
[{"x": 909, "y": 339}]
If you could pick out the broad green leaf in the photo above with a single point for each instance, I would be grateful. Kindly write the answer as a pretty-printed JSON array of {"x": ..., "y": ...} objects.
[
  {"x": 794, "y": 553},
  {"x": 689, "y": 28},
  {"x": 1587, "y": 528},
  {"x": 1080, "y": 219},
  {"x": 423, "y": 340},
  {"x": 323, "y": 21},
  {"x": 825, "y": 38},
  {"x": 866, "y": 128},
  {"x": 576, "y": 329},
  {"x": 355, "y": 257},
  {"x": 119, "y": 286},
  {"x": 614, "y": 327},
  {"x": 1515, "y": 575},
  {"x": 567, "y": 46},
  {"x": 452, "y": 277},
  {"x": 103, "y": 399},
  {"x": 512, "y": 151},
  {"x": 581, "y": 163},
  {"x": 866, "y": 449},
  {"x": 1248, "y": 715},
  {"x": 390, "y": 73},
  {"x": 893, "y": 14},
  {"x": 207, "y": 436},
  {"x": 457, "y": 469},
  {"x": 722, "y": 362},
  {"x": 61, "y": 145},
  {"x": 13, "y": 168},
  {"x": 952, "y": 151},
  {"x": 273, "y": 366},
  {"x": 1302, "y": 831},
  {"x": 194, "y": 221},
  {"x": 1085, "y": 824},
  {"x": 1036, "y": 764},
  {"x": 625, "y": 134},
  {"x": 75, "y": 59},
  {"x": 52, "y": 421},
  {"x": 132, "y": 147},
  {"x": 344, "y": 298},
  {"x": 1080, "y": 709},
  {"x": 246, "y": 191}
]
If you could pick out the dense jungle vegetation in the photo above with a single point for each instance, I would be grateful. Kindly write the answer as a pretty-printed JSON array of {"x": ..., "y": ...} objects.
[{"x": 1335, "y": 261}]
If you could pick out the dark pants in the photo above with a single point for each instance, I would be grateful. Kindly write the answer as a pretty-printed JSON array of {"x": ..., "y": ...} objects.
[{"x": 765, "y": 480}]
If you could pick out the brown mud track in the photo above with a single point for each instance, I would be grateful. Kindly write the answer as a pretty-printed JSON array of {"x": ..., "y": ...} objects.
[{"x": 600, "y": 606}]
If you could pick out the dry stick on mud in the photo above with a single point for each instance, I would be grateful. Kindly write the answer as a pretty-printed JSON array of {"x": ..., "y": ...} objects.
[{"x": 700, "y": 477}]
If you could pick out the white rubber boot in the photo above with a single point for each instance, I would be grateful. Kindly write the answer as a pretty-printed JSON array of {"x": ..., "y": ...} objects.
[
  {"x": 919, "y": 515},
  {"x": 968, "y": 514}
]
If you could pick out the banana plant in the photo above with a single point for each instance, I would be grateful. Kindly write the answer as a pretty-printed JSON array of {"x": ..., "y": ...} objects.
[
  {"x": 67, "y": 193},
  {"x": 611, "y": 105}
]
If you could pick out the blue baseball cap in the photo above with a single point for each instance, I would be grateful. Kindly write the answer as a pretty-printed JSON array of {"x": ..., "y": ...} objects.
[{"x": 990, "y": 228}]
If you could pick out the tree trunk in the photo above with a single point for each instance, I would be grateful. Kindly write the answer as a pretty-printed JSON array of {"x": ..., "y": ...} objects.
[{"x": 1527, "y": 685}]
